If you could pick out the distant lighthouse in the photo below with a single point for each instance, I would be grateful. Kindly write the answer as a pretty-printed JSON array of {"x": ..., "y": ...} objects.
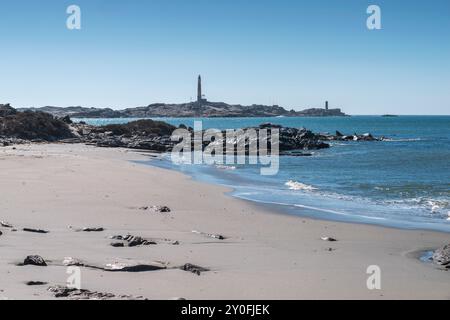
[
  {"x": 199, "y": 89},
  {"x": 326, "y": 105}
]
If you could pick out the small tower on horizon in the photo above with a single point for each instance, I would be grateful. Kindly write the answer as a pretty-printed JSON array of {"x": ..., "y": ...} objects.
[
  {"x": 326, "y": 105},
  {"x": 199, "y": 89}
]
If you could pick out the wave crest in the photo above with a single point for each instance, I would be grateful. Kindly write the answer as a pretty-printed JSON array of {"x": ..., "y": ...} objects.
[{"x": 295, "y": 185}]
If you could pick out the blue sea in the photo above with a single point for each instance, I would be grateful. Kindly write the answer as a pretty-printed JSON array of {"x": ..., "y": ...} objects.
[{"x": 403, "y": 182}]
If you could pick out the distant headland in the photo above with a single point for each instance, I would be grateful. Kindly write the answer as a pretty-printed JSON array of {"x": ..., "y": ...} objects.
[{"x": 199, "y": 108}]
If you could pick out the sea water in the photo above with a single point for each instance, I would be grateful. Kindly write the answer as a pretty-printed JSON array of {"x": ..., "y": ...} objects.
[{"x": 403, "y": 182}]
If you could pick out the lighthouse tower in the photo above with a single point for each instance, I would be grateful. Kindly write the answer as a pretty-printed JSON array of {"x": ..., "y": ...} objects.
[
  {"x": 200, "y": 97},
  {"x": 199, "y": 89}
]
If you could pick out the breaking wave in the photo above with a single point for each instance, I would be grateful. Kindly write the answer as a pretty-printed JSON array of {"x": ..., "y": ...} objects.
[{"x": 295, "y": 185}]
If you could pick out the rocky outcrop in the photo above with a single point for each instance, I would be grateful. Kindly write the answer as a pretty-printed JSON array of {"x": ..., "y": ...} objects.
[
  {"x": 83, "y": 294},
  {"x": 7, "y": 110},
  {"x": 33, "y": 126},
  {"x": 319, "y": 112},
  {"x": 442, "y": 256},
  {"x": 141, "y": 134},
  {"x": 192, "y": 109},
  {"x": 156, "y": 136},
  {"x": 77, "y": 112},
  {"x": 153, "y": 135},
  {"x": 353, "y": 137}
]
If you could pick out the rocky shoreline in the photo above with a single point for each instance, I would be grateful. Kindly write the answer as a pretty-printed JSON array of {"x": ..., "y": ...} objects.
[
  {"x": 197, "y": 109},
  {"x": 25, "y": 127}
]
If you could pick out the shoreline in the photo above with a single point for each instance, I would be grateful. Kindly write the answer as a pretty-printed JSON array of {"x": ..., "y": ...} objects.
[
  {"x": 266, "y": 255},
  {"x": 292, "y": 209}
]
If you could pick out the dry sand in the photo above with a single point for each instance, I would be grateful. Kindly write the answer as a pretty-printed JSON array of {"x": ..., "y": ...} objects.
[{"x": 266, "y": 255}]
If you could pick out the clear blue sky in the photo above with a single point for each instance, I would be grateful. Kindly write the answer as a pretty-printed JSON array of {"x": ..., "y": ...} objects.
[{"x": 289, "y": 52}]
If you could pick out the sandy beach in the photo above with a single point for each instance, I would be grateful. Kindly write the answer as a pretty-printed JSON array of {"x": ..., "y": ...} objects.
[{"x": 266, "y": 254}]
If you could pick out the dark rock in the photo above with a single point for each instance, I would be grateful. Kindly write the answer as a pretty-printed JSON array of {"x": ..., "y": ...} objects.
[
  {"x": 159, "y": 209},
  {"x": 117, "y": 244},
  {"x": 138, "y": 241},
  {"x": 67, "y": 120},
  {"x": 83, "y": 294},
  {"x": 134, "y": 241},
  {"x": 35, "y": 230},
  {"x": 330, "y": 239},
  {"x": 133, "y": 267},
  {"x": 442, "y": 256},
  {"x": 270, "y": 126},
  {"x": 35, "y": 261},
  {"x": 35, "y": 283},
  {"x": 7, "y": 110},
  {"x": 100, "y": 229},
  {"x": 193, "y": 268},
  {"x": 65, "y": 292},
  {"x": 5, "y": 224},
  {"x": 116, "y": 266}
]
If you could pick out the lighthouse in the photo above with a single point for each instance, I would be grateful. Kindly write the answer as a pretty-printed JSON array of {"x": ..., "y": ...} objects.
[{"x": 199, "y": 89}]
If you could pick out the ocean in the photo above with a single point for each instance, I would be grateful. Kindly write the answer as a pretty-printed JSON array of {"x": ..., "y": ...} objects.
[{"x": 403, "y": 182}]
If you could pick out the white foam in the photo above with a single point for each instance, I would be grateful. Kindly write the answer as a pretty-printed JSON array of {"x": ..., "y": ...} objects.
[
  {"x": 225, "y": 167},
  {"x": 295, "y": 185},
  {"x": 403, "y": 140}
]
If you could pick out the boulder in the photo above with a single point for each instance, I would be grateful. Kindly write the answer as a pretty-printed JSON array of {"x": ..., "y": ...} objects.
[{"x": 35, "y": 260}]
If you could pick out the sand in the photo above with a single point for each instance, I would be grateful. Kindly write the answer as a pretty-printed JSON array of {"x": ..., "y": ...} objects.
[{"x": 267, "y": 255}]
